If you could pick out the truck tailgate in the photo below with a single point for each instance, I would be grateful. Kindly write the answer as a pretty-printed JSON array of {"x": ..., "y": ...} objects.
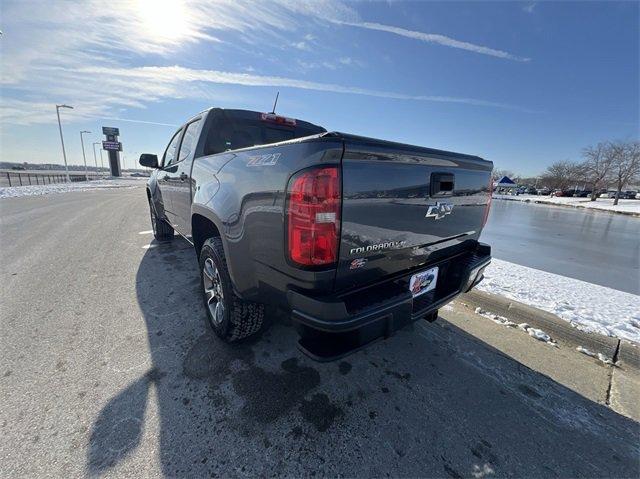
[{"x": 406, "y": 207}]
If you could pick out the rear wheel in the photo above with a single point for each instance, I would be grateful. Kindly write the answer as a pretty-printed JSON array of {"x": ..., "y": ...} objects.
[
  {"x": 229, "y": 316},
  {"x": 431, "y": 317},
  {"x": 162, "y": 231}
]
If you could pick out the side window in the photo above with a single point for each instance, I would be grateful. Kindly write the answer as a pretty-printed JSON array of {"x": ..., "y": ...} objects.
[
  {"x": 189, "y": 141},
  {"x": 170, "y": 153}
]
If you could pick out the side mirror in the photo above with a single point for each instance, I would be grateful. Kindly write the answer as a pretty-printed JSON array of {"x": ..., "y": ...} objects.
[{"x": 149, "y": 160}]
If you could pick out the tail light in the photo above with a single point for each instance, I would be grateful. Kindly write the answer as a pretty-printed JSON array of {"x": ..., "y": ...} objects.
[
  {"x": 313, "y": 215},
  {"x": 488, "y": 206}
]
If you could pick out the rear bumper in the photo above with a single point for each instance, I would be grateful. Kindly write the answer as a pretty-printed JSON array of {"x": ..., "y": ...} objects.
[{"x": 378, "y": 310}]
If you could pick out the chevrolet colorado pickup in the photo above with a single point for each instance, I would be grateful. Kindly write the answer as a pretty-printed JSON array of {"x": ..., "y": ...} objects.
[{"x": 354, "y": 237}]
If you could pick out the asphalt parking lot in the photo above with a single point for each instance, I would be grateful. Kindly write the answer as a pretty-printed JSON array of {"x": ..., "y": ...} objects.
[{"x": 108, "y": 369}]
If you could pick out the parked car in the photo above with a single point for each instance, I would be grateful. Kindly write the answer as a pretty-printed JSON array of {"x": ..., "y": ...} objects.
[
  {"x": 543, "y": 191},
  {"x": 582, "y": 193},
  {"x": 531, "y": 191},
  {"x": 568, "y": 193},
  {"x": 284, "y": 213},
  {"x": 624, "y": 195}
]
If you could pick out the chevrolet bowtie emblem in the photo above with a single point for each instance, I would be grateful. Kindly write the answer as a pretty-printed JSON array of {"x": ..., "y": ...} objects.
[{"x": 439, "y": 210}]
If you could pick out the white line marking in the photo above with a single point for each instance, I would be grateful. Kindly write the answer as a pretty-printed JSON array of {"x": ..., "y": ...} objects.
[
  {"x": 145, "y": 232},
  {"x": 148, "y": 246}
]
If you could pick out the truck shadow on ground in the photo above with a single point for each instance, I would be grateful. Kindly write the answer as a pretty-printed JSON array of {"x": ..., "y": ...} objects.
[{"x": 432, "y": 402}]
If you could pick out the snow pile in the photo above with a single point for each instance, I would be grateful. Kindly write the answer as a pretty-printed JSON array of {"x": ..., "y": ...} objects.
[
  {"x": 496, "y": 318},
  {"x": 606, "y": 204},
  {"x": 38, "y": 190},
  {"x": 538, "y": 334},
  {"x": 587, "y": 306},
  {"x": 600, "y": 356}
]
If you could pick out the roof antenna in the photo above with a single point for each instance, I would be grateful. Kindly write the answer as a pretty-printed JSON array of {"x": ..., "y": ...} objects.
[{"x": 275, "y": 103}]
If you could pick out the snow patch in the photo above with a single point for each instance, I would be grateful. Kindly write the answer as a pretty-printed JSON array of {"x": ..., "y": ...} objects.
[
  {"x": 39, "y": 190},
  {"x": 601, "y": 357},
  {"x": 606, "y": 204},
  {"x": 587, "y": 306},
  {"x": 538, "y": 334}
]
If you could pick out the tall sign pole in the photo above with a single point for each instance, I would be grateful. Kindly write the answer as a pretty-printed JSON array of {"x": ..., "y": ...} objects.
[
  {"x": 64, "y": 153},
  {"x": 113, "y": 147},
  {"x": 84, "y": 157}
]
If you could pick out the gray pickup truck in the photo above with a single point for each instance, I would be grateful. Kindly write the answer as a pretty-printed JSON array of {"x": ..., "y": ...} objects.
[{"x": 354, "y": 237}]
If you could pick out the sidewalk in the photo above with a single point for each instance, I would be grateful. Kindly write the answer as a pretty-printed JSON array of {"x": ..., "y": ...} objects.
[{"x": 612, "y": 379}]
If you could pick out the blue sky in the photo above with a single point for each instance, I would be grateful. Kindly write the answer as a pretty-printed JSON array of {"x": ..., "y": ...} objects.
[{"x": 522, "y": 84}]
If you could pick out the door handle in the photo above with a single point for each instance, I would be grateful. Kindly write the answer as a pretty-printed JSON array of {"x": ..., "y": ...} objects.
[
  {"x": 442, "y": 184},
  {"x": 183, "y": 176}
]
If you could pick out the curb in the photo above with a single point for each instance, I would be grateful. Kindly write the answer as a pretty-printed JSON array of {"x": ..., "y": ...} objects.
[
  {"x": 629, "y": 355},
  {"x": 557, "y": 328}
]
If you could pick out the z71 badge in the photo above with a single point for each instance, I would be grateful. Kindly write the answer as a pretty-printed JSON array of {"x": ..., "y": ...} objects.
[{"x": 264, "y": 160}]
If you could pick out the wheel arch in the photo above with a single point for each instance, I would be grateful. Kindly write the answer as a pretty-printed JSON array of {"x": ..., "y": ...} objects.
[{"x": 203, "y": 227}]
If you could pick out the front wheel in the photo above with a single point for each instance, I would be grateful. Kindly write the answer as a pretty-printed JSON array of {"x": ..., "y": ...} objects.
[
  {"x": 231, "y": 317},
  {"x": 162, "y": 231}
]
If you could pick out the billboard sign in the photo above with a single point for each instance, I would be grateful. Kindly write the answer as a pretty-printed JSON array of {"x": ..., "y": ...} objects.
[
  {"x": 109, "y": 130},
  {"x": 112, "y": 145}
]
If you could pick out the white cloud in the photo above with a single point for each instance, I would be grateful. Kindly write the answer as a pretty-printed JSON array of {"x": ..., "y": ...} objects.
[
  {"x": 88, "y": 32},
  {"x": 83, "y": 54},
  {"x": 170, "y": 76},
  {"x": 436, "y": 38},
  {"x": 529, "y": 8},
  {"x": 301, "y": 46},
  {"x": 129, "y": 120}
]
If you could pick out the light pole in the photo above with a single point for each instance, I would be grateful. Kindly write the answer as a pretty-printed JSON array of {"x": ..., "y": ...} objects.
[
  {"x": 95, "y": 158},
  {"x": 101, "y": 160},
  {"x": 64, "y": 153},
  {"x": 84, "y": 157}
]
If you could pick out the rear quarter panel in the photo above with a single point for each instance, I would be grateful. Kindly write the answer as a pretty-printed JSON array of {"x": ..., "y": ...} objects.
[{"x": 245, "y": 191}]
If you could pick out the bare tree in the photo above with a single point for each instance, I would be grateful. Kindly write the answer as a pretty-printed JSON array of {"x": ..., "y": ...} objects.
[
  {"x": 597, "y": 166},
  {"x": 562, "y": 174},
  {"x": 626, "y": 164}
]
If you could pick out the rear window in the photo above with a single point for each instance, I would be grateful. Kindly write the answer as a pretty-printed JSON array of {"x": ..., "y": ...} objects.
[{"x": 230, "y": 133}]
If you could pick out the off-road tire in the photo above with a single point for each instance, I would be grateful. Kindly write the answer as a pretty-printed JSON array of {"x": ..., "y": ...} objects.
[
  {"x": 241, "y": 318},
  {"x": 162, "y": 231}
]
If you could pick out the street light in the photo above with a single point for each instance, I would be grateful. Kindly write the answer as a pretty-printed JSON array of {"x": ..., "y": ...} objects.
[
  {"x": 101, "y": 160},
  {"x": 64, "y": 153},
  {"x": 95, "y": 158},
  {"x": 84, "y": 157}
]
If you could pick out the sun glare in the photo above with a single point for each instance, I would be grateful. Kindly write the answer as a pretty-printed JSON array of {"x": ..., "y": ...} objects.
[{"x": 164, "y": 20}]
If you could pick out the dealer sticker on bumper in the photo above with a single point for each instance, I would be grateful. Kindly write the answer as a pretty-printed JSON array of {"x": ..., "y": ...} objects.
[{"x": 423, "y": 282}]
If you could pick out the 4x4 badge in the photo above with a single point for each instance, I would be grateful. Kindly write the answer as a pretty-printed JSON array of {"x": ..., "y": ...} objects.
[{"x": 439, "y": 210}]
